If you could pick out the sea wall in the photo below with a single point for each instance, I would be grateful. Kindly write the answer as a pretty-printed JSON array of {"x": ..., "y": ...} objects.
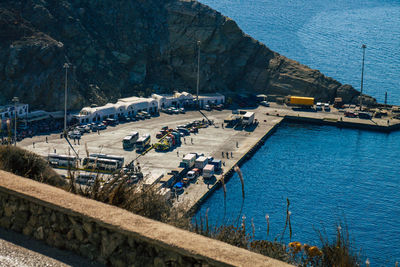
[{"x": 108, "y": 234}]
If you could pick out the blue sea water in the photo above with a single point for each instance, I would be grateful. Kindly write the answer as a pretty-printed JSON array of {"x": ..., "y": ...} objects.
[
  {"x": 327, "y": 35},
  {"x": 330, "y": 175},
  {"x": 327, "y": 173}
]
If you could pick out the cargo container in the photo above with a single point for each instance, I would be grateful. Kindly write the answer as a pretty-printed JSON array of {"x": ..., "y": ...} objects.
[
  {"x": 217, "y": 164},
  {"x": 301, "y": 101},
  {"x": 189, "y": 160},
  {"x": 201, "y": 162},
  {"x": 167, "y": 180},
  {"x": 208, "y": 171}
]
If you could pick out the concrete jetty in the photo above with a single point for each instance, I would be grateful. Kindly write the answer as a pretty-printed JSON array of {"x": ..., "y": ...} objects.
[{"x": 217, "y": 140}]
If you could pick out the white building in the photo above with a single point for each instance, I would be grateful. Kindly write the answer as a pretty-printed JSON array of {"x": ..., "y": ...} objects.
[
  {"x": 8, "y": 111},
  {"x": 211, "y": 99},
  {"x": 124, "y": 107},
  {"x": 176, "y": 99}
]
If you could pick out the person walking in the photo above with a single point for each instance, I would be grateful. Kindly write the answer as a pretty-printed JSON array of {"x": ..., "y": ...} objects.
[{"x": 222, "y": 154}]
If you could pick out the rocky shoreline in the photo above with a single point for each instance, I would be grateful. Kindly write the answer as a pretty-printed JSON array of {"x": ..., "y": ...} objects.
[{"x": 135, "y": 47}]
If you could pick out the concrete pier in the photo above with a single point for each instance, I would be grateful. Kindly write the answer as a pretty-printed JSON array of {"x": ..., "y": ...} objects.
[{"x": 231, "y": 145}]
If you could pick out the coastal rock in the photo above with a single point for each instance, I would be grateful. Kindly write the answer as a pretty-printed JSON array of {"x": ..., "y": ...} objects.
[{"x": 123, "y": 48}]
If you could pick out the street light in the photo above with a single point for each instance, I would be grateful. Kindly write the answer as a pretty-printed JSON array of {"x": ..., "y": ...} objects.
[
  {"x": 198, "y": 73},
  {"x": 362, "y": 74},
  {"x": 66, "y": 67},
  {"x": 15, "y": 100}
]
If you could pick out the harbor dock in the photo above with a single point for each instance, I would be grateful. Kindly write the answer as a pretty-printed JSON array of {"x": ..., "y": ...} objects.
[{"x": 232, "y": 145}]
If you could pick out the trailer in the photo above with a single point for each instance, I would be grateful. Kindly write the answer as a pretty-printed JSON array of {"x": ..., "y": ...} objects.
[
  {"x": 201, "y": 162},
  {"x": 302, "y": 101},
  {"x": 189, "y": 160},
  {"x": 248, "y": 118},
  {"x": 208, "y": 171}
]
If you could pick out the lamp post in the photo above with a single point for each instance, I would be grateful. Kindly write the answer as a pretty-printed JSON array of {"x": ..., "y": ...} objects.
[
  {"x": 362, "y": 74},
  {"x": 15, "y": 100},
  {"x": 66, "y": 67},
  {"x": 198, "y": 73}
]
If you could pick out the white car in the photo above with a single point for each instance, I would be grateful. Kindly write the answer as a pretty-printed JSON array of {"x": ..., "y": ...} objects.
[
  {"x": 191, "y": 175},
  {"x": 264, "y": 103},
  {"x": 74, "y": 135}
]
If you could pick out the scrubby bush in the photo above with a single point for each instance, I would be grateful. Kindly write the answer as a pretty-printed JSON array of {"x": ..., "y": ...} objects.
[{"x": 27, "y": 164}]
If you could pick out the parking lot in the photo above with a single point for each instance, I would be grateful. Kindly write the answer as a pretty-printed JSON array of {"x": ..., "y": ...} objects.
[{"x": 153, "y": 164}]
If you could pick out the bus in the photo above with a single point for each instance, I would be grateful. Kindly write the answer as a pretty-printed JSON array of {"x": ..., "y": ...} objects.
[
  {"x": 100, "y": 164},
  {"x": 130, "y": 140},
  {"x": 56, "y": 160},
  {"x": 143, "y": 142},
  {"x": 119, "y": 159}
]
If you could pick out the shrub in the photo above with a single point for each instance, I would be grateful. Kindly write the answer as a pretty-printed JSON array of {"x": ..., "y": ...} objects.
[{"x": 27, "y": 164}]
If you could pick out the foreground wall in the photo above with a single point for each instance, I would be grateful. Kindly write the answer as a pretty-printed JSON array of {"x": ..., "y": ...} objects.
[{"x": 108, "y": 234}]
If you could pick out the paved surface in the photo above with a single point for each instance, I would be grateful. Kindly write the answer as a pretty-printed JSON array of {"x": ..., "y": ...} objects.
[
  {"x": 17, "y": 250},
  {"x": 211, "y": 141}
]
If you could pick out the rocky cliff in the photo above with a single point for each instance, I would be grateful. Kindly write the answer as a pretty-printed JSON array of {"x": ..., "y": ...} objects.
[{"x": 129, "y": 47}]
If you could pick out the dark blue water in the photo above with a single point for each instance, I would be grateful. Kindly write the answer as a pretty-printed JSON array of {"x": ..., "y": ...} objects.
[
  {"x": 327, "y": 35},
  {"x": 329, "y": 175}
]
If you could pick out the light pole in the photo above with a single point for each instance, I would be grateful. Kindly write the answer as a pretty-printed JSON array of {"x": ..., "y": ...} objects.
[
  {"x": 66, "y": 67},
  {"x": 198, "y": 73},
  {"x": 15, "y": 100},
  {"x": 362, "y": 74}
]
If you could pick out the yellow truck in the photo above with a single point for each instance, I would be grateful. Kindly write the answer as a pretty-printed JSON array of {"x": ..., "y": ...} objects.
[{"x": 301, "y": 101}]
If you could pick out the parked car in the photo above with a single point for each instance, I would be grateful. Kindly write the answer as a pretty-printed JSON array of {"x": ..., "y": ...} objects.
[
  {"x": 219, "y": 107},
  {"x": 194, "y": 130},
  {"x": 264, "y": 103},
  {"x": 101, "y": 126},
  {"x": 86, "y": 128},
  {"x": 184, "y": 131},
  {"x": 74, "y": 134},
  {"x": 350, "y": 114},
  {"x": 207, "y": 107},
  {"x": 146, "y": 114},
  {"x": 182, "y": 110}
]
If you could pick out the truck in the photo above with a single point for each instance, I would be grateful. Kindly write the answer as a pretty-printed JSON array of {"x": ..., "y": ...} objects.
[
  {"x": 189, "y": 160},
  {"x": 302, "y": 101},
  {"x": 248, "y": 118},
  {"x": 208, "y": 171},
  {"x": 217, "y": 164},
  {"x": 201, "y": 162},
  {"x": 130, "y": 140}
]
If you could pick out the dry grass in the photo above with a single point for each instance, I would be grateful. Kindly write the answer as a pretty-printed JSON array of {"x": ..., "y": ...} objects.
[{"x": 27, "y": 164}]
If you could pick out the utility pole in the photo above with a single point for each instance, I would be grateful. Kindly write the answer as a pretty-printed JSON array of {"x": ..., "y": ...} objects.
[
  {"x": 362, "y": 74},
  {"x": 15, "y": 100},
  {"x": 66, "y": 67},
  {"x": 198, "y": 73}
]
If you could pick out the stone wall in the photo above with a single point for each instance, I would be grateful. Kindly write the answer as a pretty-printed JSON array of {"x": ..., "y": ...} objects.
[{"x": 108, "y": 234}]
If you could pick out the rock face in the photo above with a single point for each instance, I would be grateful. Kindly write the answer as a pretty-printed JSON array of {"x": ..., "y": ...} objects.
[{"x": 127, "y": 47}]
